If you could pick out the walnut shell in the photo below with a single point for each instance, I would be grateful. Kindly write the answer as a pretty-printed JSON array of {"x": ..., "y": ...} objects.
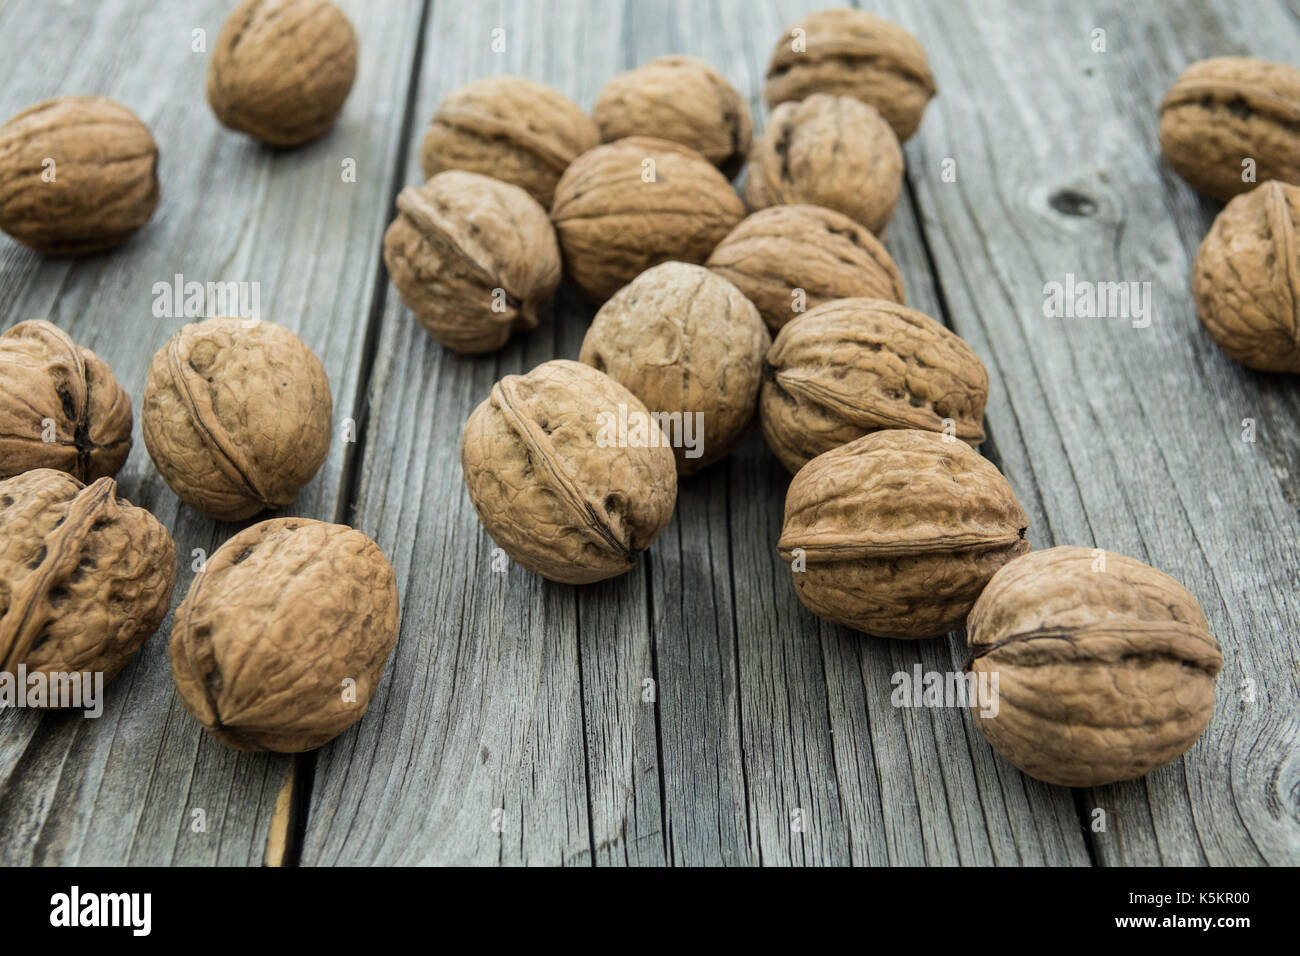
[
  {"x": 78, "y": 174},
  {"x": 855, "y": 366},
  {"x": 899, "y": 531},
  {"x": 1246, "y": 280},
  {"x": 284, "y": 635},
  {"x": 511, "y": 128},
  {"x": 282, "y": 69},
  {"x": 473, "y": 259},
  {"x": 236, "y": 416},
  {"x": 1225, "y": 110},
  {"x": 853, "y": 53},
  {"x": 784, "y": 249},
  {"x": 613, "y": 224},
  {"x": 46, "y": 377},
  {"x": 686, "y": 343},
  {"x": 682, "y": 99},
  {"x": 831, "y": 151},
  {"x": 555, "y": 484},
  {"x": 1103, "y": 674},
  {"x": 85, "y": 576}
]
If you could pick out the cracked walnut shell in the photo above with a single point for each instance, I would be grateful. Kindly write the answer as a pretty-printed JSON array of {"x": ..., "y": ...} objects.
[
  {"x": 896, "y": 533},
  {"x": 1105, "y": 671},
  {"x": 558, "y": 483},
  {"x": 284, "y": 635}
]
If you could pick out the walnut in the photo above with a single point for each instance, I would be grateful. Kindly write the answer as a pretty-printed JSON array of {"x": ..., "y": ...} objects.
[
  {"x": 682, "y": 99},
  {"x": 855, "y": 366},
  {"x": 628, "y": 205},
  {"x": 853, "y": 53},
  {"x": 85, "y": 577},
  {"x": 284, "y": 635},
  {"x": 689, "y": 345},
  {"x": 60, "y": 406},
  {"x": 788, "y": 259},
  {"x": 1246, "y": 280},
  {"x": 282, "y": 69},
  {"x": 1225, "y": 111},
  {"x": 514, "y": 129},
  {"x": 897, "y": 533},
  {"x": 831, "y": 151},
  {"x": 473, "y": 259},
  {"x": 78, "y": 174},
  {"x": 1104, "y": 666},
  {"x": 236, "y": 416},
  {"x": 567, "y": 472}
]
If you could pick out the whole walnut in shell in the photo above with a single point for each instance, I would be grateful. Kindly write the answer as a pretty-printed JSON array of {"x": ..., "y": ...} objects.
[
  {"x": 688, "y": 344},
  {"x": 236, "y": 416},
  {"x": 788, "y": 259},
  {"x": 284, "y": 635},
  {"x": 85, "y": 577},
  {"x": 60, "y": 406},
  {"x": 78, "y": 174},
  {"x": 1104, "y": 666},
  {"x": 282, "y": 69},
  {"x": 897, "y": 533},
  {"x": 473, "y": 259},
  {"x": 831, "y": 151},
  {"x": 1227, "y": 110},
  {"x": 1247, "y": 278},
  {"x": 855, "y": 366},
  {"x": 558, "y": 483},
  {"x": 628, "y": 205},
  {"x": 853, "y": 53},
  {"x": 682, "y": 99},
  {"x": 511, "y": 128}
]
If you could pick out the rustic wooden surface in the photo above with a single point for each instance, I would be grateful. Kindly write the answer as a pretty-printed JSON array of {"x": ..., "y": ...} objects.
[{"x": 691, "y": 712}]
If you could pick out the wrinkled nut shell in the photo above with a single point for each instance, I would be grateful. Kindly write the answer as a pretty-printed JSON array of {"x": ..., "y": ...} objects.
[
  {"x": 613, "y": 225},
  {"x": 282, "y": 69},
  {"x": 855, "y": 366},
  {"x": 1102, "y": 674},
  {"x": 52, "y": 388},
  {"x": 511, "y": 128},
  {"x": 552, "y": 490},
  {"x": 236, "y": 416},
  {"x": 282, "y": 617},
  {"x": 1224, "y": 111},
  {"x": 831, "y": 151},
  {"x": 852, "y": 53},
  {"x": 782, "y": 251},
  {"x": 898, "y": 532},
  {"x": 473, "y": 259},
  {"x": 1246, "y": 280},
  {"x": 78, "y": 174},
  {"x": 85, "y": 577}
]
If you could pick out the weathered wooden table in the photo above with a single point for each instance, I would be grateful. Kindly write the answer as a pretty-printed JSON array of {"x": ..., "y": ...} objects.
[{"x": 512, "y": 724}]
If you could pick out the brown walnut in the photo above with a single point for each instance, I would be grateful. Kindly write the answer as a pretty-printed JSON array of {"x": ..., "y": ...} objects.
[
  {"x": 782, "y": 251},
  {"x": 855, "y": 366},
  {"x": 1104, "y": 672},
  {"x": 60, "y": 406},
  {"x": 78, "y": 174},
  {"x": 282, "y": 69},
  {"x": 1246, "y": 280},
  {"x": 555, "y": 484},
  {"x": 473, "y": 259},
  {"x": 1229, "y": 109},
  {"x": 511, "y": 128},
  {"x": 85, "y": 577},
  {"x": 898, "y": 532},
  {"x": 284, "y": 635},
  {"x": 631, "y": 204},
  {"x": 236, "y": 416}
]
